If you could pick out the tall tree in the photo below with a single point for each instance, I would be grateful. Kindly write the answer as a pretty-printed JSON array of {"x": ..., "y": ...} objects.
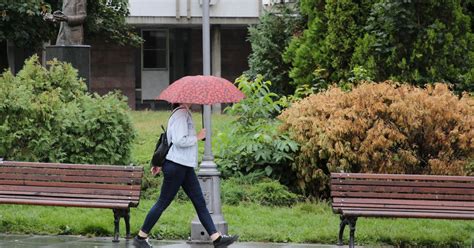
[
  {"x": 415, "y": 41},
  {"x": 419, "y": 42},
  {"x": 323, "y": 52},
  {"x": 269, "y": 39},
  {"x": 22, "y": 22}
]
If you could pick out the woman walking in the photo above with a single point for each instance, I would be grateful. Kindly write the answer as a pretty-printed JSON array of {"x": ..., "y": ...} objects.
[{"x": 178, "y": 171}]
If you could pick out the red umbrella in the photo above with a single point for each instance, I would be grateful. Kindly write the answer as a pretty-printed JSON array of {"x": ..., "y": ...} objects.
[{"x": 204, "y": 90}]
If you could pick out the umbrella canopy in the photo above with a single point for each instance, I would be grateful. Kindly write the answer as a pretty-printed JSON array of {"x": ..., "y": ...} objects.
[{"x": 204, "y": 90}]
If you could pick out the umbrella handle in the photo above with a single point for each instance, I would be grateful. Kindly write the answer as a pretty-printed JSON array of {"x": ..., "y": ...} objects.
[{"x": 202, "y": 119}]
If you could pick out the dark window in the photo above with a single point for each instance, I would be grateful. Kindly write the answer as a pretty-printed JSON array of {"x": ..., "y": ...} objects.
[{"x": 155, "y": 49}]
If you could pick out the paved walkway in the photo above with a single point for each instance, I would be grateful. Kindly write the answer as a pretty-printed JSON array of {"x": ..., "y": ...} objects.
[{"x": 36, "y": 241}]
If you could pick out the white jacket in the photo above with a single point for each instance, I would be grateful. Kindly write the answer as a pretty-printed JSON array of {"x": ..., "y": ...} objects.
[{"x": 182, "y": 135}]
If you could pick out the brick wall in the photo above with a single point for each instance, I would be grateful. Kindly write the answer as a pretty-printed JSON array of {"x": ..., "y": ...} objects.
[
  {"x": 113, "y": 68},
  {"x": 234, "y": 51},
  {"x": 195, "y": 52}
]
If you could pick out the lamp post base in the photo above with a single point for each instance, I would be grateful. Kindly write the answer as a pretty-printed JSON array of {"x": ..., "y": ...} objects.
[
  {"x": 199, "y": 234},
  {"x": 209, "y": 179}
]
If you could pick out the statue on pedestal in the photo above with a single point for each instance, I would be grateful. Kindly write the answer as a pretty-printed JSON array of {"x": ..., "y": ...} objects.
[
  {"x": 70, "y": 46},
  {"x": 72, "y": 17}
]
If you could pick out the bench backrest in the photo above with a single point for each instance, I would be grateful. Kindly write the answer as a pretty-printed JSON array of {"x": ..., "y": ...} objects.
[
  {"x": 70, "y": 184},
  {"x": 422, "y": 192}
]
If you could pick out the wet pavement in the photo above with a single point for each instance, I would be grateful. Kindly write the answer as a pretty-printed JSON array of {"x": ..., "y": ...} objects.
[{"x": 37, "y": 241}]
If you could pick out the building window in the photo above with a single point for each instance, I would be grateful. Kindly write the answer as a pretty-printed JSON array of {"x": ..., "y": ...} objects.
[{"x": 155, "y": 49}]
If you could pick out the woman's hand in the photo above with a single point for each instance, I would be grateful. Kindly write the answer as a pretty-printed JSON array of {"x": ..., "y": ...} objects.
[
  {"x": 155, "y": 170},
  {"x": 202, "y": 134}
]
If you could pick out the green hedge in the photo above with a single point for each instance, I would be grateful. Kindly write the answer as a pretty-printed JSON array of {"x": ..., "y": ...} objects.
[{"x": 47, "y": 115}]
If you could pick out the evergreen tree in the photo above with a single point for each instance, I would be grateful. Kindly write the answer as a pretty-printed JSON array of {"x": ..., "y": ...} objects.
[
  {"x": 415, "y": 41},
  {"x": 419, "y": 42},
  {"x": 324, "y": 52},
  {"x": 269, "y": 39}
]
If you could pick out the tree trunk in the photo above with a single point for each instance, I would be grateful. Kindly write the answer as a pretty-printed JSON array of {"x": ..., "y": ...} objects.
[
  {"x": 11, "y": 56},
  {"x": 3, "y": 56},
  {"x": 17, "y": 55}
]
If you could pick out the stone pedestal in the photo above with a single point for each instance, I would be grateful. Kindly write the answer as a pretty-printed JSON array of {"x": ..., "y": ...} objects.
[{"x": 78, "y": 55}]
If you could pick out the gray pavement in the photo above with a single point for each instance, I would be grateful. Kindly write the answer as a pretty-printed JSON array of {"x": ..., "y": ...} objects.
[{"x": 37, "y": 241}]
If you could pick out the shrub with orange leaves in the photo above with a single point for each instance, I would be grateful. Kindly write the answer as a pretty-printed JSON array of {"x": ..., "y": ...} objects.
[{"x": 380, "y": 128}]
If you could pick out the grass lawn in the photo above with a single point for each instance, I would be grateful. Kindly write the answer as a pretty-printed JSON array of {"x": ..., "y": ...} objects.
[{"x": 305, "y": 222}]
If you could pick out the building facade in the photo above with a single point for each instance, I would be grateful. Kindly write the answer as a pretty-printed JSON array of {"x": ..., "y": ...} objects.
[{"x": 172, "y": 48}]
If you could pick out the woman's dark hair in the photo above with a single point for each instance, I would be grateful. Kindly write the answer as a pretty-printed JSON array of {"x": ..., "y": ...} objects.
[{"x": 174, "y": 105}]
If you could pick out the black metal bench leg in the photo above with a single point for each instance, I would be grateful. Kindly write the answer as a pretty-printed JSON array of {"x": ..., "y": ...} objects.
[
  {"x": 352, "y": 226},
  {"x": 342, "y": 226},
  {"x": 127, "y": 223},
  {"x": 117, "y": 215}
]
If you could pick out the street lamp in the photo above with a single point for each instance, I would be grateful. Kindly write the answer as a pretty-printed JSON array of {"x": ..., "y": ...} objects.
[{"x": 208, "y": 175}]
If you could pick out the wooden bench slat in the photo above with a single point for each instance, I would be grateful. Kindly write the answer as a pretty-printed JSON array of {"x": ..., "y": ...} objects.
[
  {"x": 403, "y": 177},
  {"x": 71, "y": 179},
  {"x": 91, "y": 196},
  {"x": 408, "y": 189},
  {"x": 405, "y": 202},
  {"x": 343, "y": 205},
  {"x": 357, "y": 195},
  {"x": 406, "y": 196},
  {"x": 72, "y": 185},
  {"x": 407, "y": 210},
  {"x": 65, "y": 203},
  {"x": 70, "y": 172},
  {"x": 70, "y": 166},
  {"x": 437, "y": 184},
  {"x": 17, "y": 197},
  {"x": 408, "y": 214},
  {"x": 70, "y": 190}
]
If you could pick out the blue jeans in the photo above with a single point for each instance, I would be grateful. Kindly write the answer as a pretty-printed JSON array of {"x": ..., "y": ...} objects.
[{"x": 175, "y": 176}]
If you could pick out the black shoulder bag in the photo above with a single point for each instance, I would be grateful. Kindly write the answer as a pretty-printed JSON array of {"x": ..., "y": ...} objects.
[{"x": 162, "y": 147}]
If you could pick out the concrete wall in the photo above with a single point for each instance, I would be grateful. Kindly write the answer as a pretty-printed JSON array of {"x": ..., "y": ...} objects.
[
  {"x": 113, "y": 68},
  {"x": 192, "y": 8}
]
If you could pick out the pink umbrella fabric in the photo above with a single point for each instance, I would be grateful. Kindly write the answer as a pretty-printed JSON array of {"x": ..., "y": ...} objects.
[{"x": 200, "y": 89}]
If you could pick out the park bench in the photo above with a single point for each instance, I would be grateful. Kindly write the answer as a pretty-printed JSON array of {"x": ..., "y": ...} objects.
[
  {"x": 73, "y": 185},
  {"x": 400, "y": 196}
]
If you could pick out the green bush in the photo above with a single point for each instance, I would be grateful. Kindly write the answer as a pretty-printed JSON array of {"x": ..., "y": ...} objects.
[
  {"x": 412, "y": 42},
  {"x": 257, "y": 189},
  {"x": 46, "y": 115},
  {"x": 323, "y": 51},
  {"x": 269, "y": 38},
  {"x": 272, "y": 193},
  {"x": 254, "y": 142},
  {"x": 381, "y": 128},
  {"x": 407, "y": 41}
]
